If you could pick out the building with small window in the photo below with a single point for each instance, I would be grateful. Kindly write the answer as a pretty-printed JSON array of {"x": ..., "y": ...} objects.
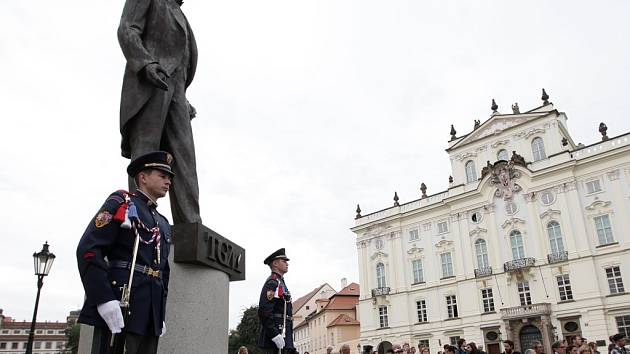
[
  {"x": 530, "y": 242},
  {"x": 331, "y": 322},
  {"x": 49, "y": 338}
]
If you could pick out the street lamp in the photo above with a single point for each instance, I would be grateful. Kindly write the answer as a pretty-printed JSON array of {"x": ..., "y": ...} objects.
[{"x": 43, "y": 261}]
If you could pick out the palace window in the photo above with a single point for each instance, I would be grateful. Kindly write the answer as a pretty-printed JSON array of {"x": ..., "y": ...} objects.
[
  {"x": 593, "y": 186},
  {"x": 623, "y": 324},
  {"x": 511, "y": 208},
  {"x": 380, "y": 275},
  {"x": 382, "y": 316},
  {"x": 442, "y": 227},
  {"x": 487, "y": 299},
  {"x": 421, "y": 307},
  {"x": 538, "y": 149},
  {"x": 547, "y": 197},
  {"x": 476, "y": 217},
  {"x": 615, "y": 282},
  {"x": 516, "y": 241},
  {"x": 482, "y": 253},
  {"x": 418, "y": 272},
  {"x": 523, "y": 293},
  {"x": 414, "y": 235},
  {"x": 447, "y": 264},
  {"x": 471, "y": 173},
  {"x": 564, "y": 287},
  {"x": 502, "y": 155},
  {"x": 555, "y": 237},
  {"x": 451, "y": 306},
  {"x": 604, "y": 230}
]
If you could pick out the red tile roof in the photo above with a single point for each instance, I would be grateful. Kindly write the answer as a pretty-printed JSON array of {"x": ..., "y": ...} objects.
[
  {"x": 343, "y": 320},
  {"x": 342, "y": 303},
  {"x": 297, "y": 304},
  {"x": 351, "y": 289}
]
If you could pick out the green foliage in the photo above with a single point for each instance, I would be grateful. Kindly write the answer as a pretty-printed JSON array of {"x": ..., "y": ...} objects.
[
  {"x": 72, "y": 345},
  {"x": 246, "y": 333}
]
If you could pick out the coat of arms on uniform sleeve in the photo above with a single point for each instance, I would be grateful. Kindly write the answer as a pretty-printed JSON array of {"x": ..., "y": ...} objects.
[{"x": 103, "y": 218}]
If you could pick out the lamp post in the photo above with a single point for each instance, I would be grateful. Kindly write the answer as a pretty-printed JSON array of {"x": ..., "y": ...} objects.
[{"x": 43, "y": 261}]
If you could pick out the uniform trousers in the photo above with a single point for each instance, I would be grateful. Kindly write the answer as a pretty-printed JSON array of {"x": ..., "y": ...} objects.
[
  {"x": 163, "y": 123},
  {"x": 134, "y": 343}
]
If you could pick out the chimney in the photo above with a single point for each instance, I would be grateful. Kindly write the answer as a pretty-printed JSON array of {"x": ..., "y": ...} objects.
[{"x": 344, "y": 282}]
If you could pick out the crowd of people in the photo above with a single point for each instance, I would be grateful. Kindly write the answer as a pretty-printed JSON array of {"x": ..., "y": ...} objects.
[{"x": 577, "y": 345}]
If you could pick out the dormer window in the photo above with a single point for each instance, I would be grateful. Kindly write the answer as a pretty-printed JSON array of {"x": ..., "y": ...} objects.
[
  {"x": 471, "y": 174},
  {"x": 538, "y": 149}
]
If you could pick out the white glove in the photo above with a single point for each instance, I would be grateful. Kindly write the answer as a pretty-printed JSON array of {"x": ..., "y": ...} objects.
[
  {"x": 111, "y": 313},
  {"x": 279, "y": 341},
  {"x": 163, "y": 329}
]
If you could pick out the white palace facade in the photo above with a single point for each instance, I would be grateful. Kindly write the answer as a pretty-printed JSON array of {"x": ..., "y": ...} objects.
[{"x": 531, "y": 241}]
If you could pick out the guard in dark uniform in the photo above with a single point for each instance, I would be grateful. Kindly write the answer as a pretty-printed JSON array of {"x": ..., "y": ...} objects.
[
  {"x": 275, "y": 309},
  {"x": 104, "y": 257}
]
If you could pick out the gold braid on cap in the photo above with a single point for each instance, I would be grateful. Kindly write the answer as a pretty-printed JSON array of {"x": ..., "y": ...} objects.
[{"x": 157, "y": 165}]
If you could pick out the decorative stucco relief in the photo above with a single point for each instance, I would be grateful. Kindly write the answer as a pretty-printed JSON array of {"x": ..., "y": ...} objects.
[
  {"x": 527, "y": 133},
  {"x": 379, "y": 255},
  {"x": 597, "y": 204},
  {"x": 512, "y": 223}
]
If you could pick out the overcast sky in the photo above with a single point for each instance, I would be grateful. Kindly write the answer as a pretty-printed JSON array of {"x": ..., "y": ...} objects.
[{"x": 304, "y": 110}]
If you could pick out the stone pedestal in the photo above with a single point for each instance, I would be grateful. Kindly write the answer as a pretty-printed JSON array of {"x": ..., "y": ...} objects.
[
  {"x": 197, "y": 310},
  {"x": 85, "y": 339},
  {"x": 202, "y": 265}
]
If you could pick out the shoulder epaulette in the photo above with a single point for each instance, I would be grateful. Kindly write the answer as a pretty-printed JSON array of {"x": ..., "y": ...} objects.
[{"x": 120, "y": 196}]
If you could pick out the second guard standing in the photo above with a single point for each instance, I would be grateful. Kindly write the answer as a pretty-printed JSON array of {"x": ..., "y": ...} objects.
[{"x": 275, "y": 309}]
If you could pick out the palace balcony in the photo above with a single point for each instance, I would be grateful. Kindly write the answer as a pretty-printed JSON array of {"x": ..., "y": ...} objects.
[
  {"x": 533, "y": 310},
  {"x": 380, "y": 291},
  {"x": 519, "y": 264},
  {"x": 558, "y": 257},
  {"x": 483, "y": 272}
]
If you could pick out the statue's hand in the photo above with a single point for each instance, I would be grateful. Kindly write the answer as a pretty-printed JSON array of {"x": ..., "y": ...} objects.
[
  {"x": 192, "y": 112},
  {"x": 156, "y": 75}
]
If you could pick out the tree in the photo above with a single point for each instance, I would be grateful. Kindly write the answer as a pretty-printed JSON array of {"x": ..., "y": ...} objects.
[
  {"x": 72, "y": 345},
  {"x": 246, "y": 333}
]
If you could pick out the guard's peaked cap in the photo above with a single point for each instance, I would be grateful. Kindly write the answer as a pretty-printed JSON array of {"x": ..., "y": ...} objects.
[{"x": 279, "y": 254}]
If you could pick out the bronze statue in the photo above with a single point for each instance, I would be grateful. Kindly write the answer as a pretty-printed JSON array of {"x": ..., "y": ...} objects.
[{"x": 161, "y": 54}]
